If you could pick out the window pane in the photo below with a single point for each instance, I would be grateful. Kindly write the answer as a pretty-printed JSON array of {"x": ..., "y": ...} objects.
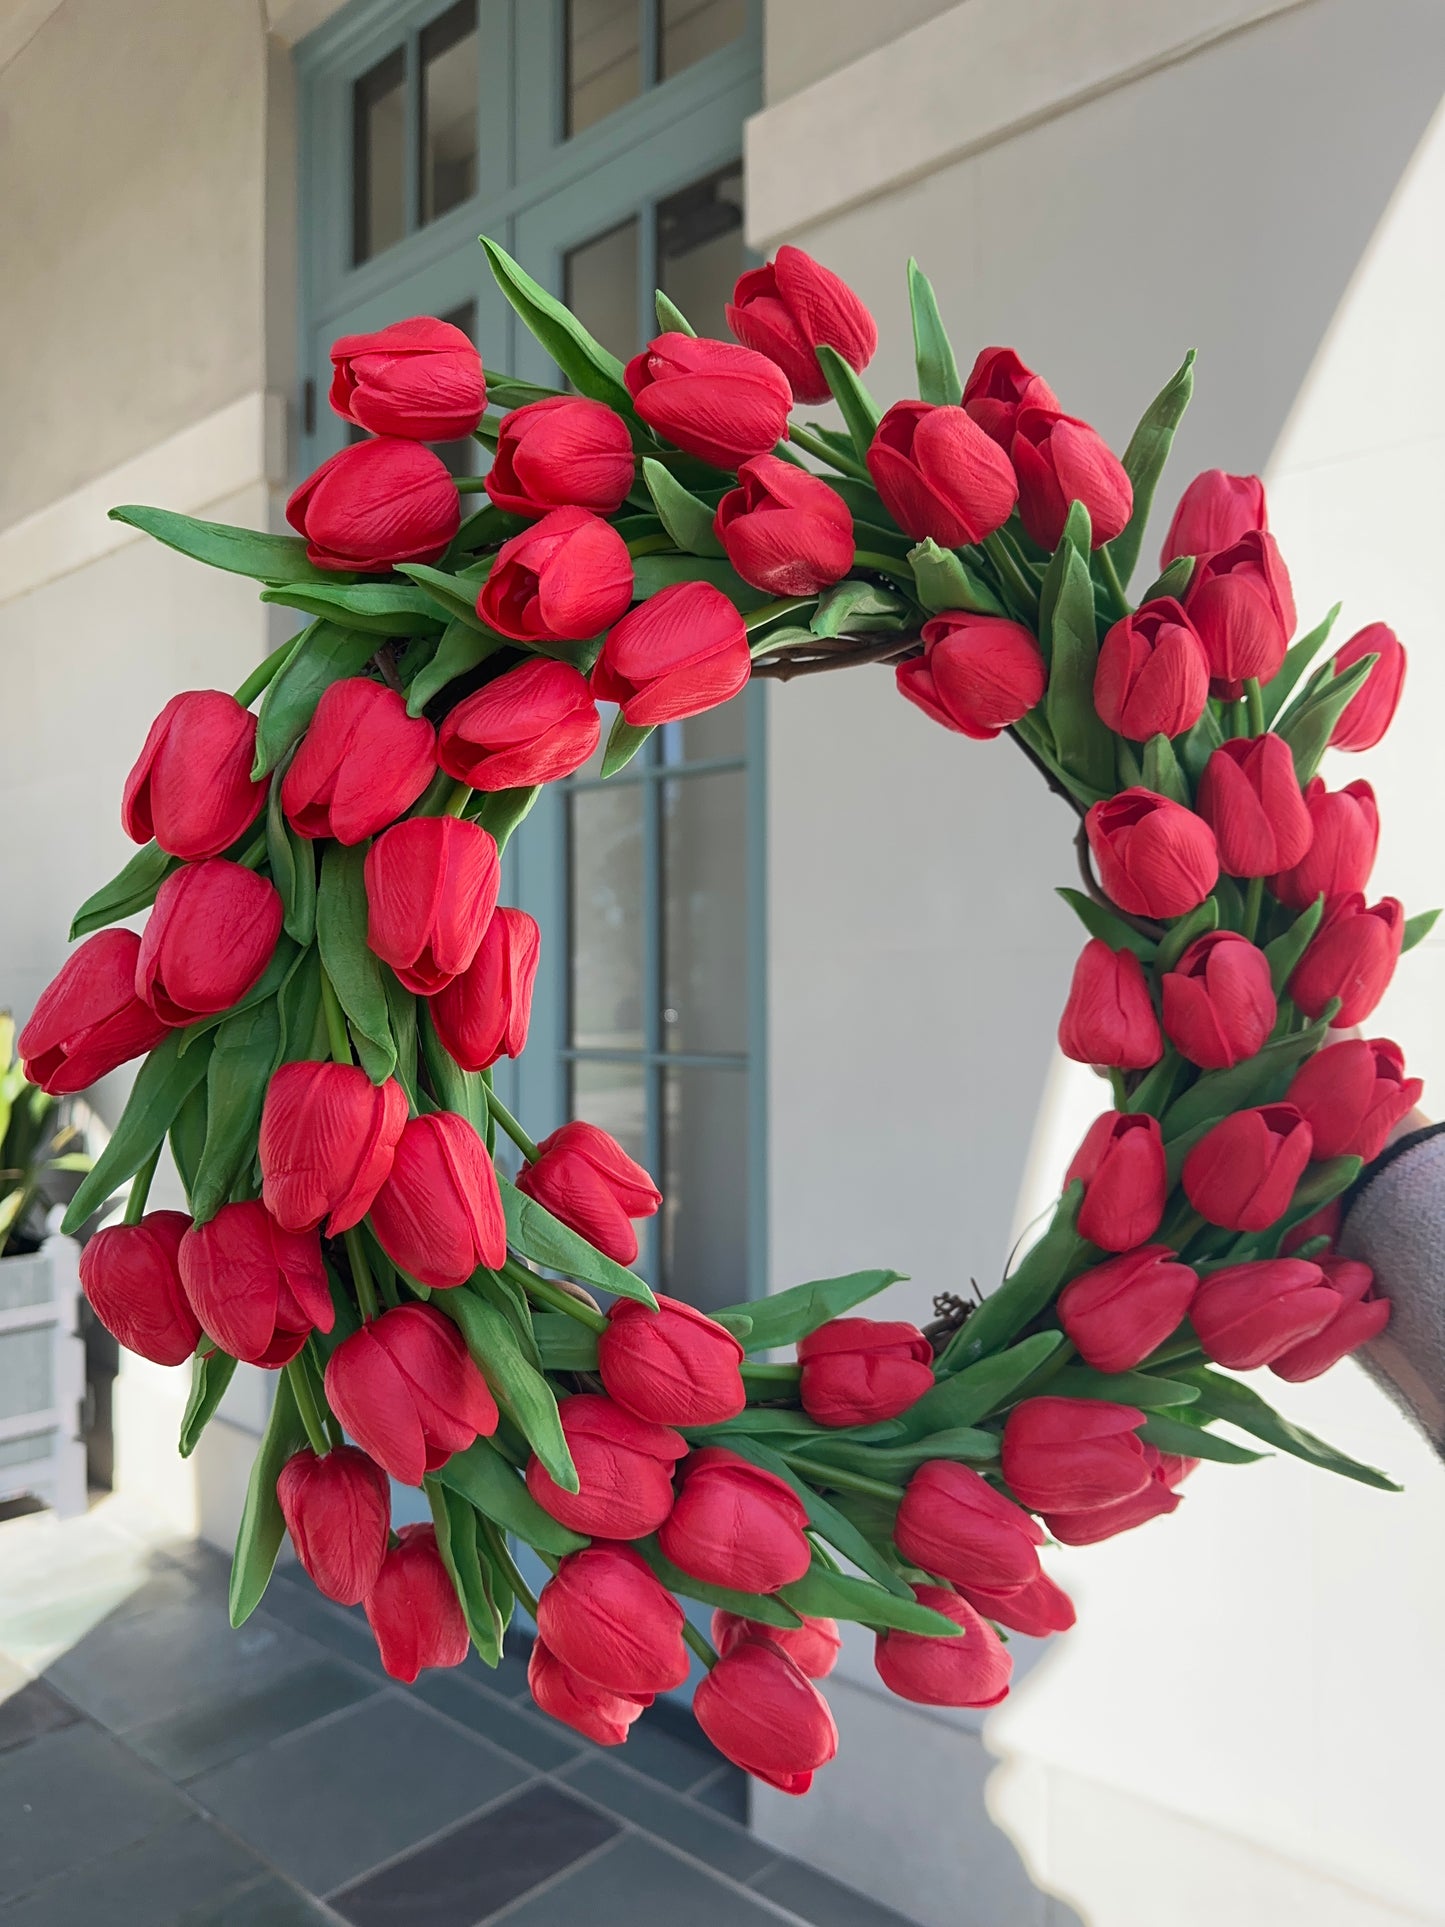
[
  {"x": 604, "y": 59},
  {"x": 600, "y": 287},
  {"x": 692, "y": 29},
  {"x": 700, "y": 247},
  {"x": 705, "y": 1186},
  {"x": 613, "y": 1096},
  {"x": 449, "y": 83},
  {"x": 607, "y": 932},
  {"x": 716, "y": 733},
  {"x": 378, "y": 172},
  {"x": 461, "y": 456},
  {"x": 704, "y": 843}
]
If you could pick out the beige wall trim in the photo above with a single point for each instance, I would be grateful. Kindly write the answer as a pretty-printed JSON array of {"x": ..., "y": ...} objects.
[
  {"x": 977, "y": 74},
  {"x": 289, "y": 21},
  {"x": 20, "y": 21}
]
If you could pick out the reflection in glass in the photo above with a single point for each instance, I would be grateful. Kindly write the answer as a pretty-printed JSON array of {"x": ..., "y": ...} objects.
[
  {"x": 378, "y": 168},
  {"x": 600, "y": 287},
  {"x": 604, "y": 59},
  {"x": 704, "y": 979},
  {"x": 690, "y": 30},
  {"x": 612, "y": 1097},
  {"x": 704, "y": 1186},
  {"x": 700, "y": 247},
  {"x": 607, "y": 929},
  {"x": 448, "y": 132}
]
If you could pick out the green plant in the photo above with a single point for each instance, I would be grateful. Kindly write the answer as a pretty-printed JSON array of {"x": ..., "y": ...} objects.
[{"x": 35, "y": 1144}]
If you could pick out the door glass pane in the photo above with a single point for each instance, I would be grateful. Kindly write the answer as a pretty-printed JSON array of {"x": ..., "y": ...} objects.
[
  {"x": 612, "y": 1096},
  {"x": 448, "y": 132},
  {"x": 692, "y": 29},
  {"x": 600, "y": 287},
  {"x": 704, "y": 979},
  {"x": 606, "y": 917},
  {"x": 700, "y": 247},
  {"x": 700, "y": 739},
  {"x": 704, "y": 1186},
  {"x": 461, "y": 456},
  {"x": 378, "y": 168},
  {"x": 604, "y": 59}
]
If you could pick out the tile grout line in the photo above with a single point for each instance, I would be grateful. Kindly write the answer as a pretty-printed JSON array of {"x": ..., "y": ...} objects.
[
  {"x": 440, "y": 1833},
  {"x": 594, "y": 1854}
]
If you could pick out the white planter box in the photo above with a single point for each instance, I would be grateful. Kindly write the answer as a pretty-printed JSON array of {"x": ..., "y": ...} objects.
[{"x": 42, "y": 1378}]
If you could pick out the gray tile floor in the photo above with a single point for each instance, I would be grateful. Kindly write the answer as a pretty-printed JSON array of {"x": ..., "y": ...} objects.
[{"x": 159, "y": 1770}]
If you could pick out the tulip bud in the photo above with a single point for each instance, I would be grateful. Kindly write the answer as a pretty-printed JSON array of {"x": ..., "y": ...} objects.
[
  {"x": 952, "y": 1522},
  {"x": 1118, "y": 1312},
  {"x": 1352, "y": 1095},
  {"x": 376, "y": 503},
  {"x": 1072, "y": 1454},
  {"x": 682, "y": 651},
  {"x": 709, "y": 398},
  {"x": 675, "y": 1365},
  {"x": 419, "y": 378},
  {"x": 1154, "y": 857},
  {"x": 338, "y": 1512},
  {"x": 531, "y": 725},
  {"x": 362, "y": 763},
  {"x": 561, "y": 452},
  {"x": 1152, "y": 1501},
  {"x": 1109, "y": 1017},
  {"x": 191, "y": 786},
  {"x": 1351, "y": 956},
  {"x": 1214, "y": 512},
  {"x": 207, "y": 941},
  {"x": 484, "y": 1014},
  {"x": 940, "y": 475},
  {"x": 405, "y": 1388},
  {"x": 1247, "y": 1314},
  {"x": 431, "y": 887},
  {"x": 813, "y": 1647},
  {"x": 792, "y": 306},
  {"x": 733, "y": 1524},
  {"x": 977, "y": 675},
  {"x": 1242, "y": 607},
  {"x": 413, "y": 1609},
  {"x": 1060, "y": 460},
  {"x": 88, "y": 1020},
  {"x": 1219, "y": 1003},
  {"x": 1369, "y": 713},
  {"x": 1345, "y": 835},
  {"x": 131, "y": 1276},
  {"x": 1038, "y": 1609},
  {"x": 1152, "y": 677},
  {"x": 1358, "y": 1317},
  {"x": 970, "y": 1669},
  {"x": 258, "y": 1291},
  {"x": 610, "y": 1618},
  {"x": 624, "y": 1470},
  {"x": 998, "y": 386},
  {"x": 1250, "y": 797},
  {"x": 859, "y": 1371},
  {"x": 784, "y": 529},
  {"x": 567, "y": 577},
  {"x": 585, "y": 1178},
  {"x": 589, "y": 1710},
  {"x": 766, "y": 1716},
  {"x": 327, "y": 1139},
  {"x": 438, "y": 1213},
  {"x": 1242, "y": 1173},
  {"x": 1121, "y": 1161}
]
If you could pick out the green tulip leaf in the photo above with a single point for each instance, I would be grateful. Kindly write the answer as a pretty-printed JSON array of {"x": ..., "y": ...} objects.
[
  {"x": 624, "y": 739},
  {"x": 653, "y": 572},
  {"x": 266, "y": 558},
  {"x": 483, "y": 1477},
  {"x": 1286, "y": 950},
  {"x": 1281, "y": 686},
  {"x": 1144, "y": 1389},
  {"x": 590, "y": 367},
  {"x": 1417, "y": 928},
  {"x": 532, "y": 1230},
  {"x": 455, "y": 596},
  {"x": 1188, "y": 1441},
  {"x": 945, "y": 581},
  {"x": 501, "y": 812},
  {"x": 1144, "y": 461},
  {"x": 1100, "y": 921},
  {"x": 262, "y": 1526},
  {"x": 293, "y": 868},
  {"x": 856, "y": 405},
  {"x": 244, "y": 1053},
  {"x": 564, "y": 1344},
  {"x": 464, "y": 646},
  {"x": 686, "y": 519},
  {"x": 1042, "y": 1270},
  {"x": 133, "y": 888},
  {"x": 518, "y": 1387},
  {"x": 982, "y": 1389},
  {"x": 938, "y": 377},
  {"x": 821, "y": 1594},
  {"x": 164, "y": 1081},
  {"x": 1309, "y": 724},
  {"x": 826, "y": 1520},
  {"x": 348, "y": 960},
  {"x": 1203, "y": 918},
  {"x": 377, "y": 608},
  {"x": 1237, "y": 1404},
  {"x": 322, "y": 654},
  {"x": 767, "y": 1608},
  {"x": 784, "y": 1317},
  {"x": 211, "y": 1373}
]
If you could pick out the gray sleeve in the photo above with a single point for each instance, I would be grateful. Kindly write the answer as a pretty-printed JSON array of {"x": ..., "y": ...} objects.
[{"x": 1396, "y": 1223}]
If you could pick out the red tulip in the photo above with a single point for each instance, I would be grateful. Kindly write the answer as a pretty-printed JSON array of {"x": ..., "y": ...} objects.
[
  {"x": 421, "y": 378},
  {"x": 1219, "y": 1003},
  {"x": 374, "y": 504},
  {"x": 1345, "y": 835},
  {"x": 589, "y": 1710},
  {"x": 785, "y": 530},
  {"x": 813, "y": 1647},
  {"x": 1242, "y": 1173},
  {"x": 954, "y": 1523},
  {"x": 1154, "y": 857},
  {"x": 1250, "y": 797},
  {"x": 413, "y": 1609},
  {"x": 1040, "y": 1608},
  {"x": 561, "y": 452},
  {"x": 1214, "y": 512},
  {"x": 675, "y": 1365},
  {"x": 191, "y": 787},
  {"x": 585, "y": 1178},
  {"x": 1367, "y": 716},
  {"x": 484, "y": 1014},
  {"x": 940, "y": 475},
  {"x": 977, "y": 675},
  {"x": 1351, "y": 956},
  {"x": 338, "y": 1512},
  {"x": 258, "y": 1291},
  {"x": 762, "y": 1713},
  {"x": 791, "y": 307},
  {"x": 1059, "y": 460},
  {"x": 998, "y": 386},
  {"x": 1324, "y": 1223},
  {"x": 362, "y": 763},
  {"x": 624, "y": 1471},
  {"x": 431, "y": 887},
  {"x": 1247, "y": 1314},
  {"x": 858, "y": 1371},
  {"x": 1241, "y": 604},
  {"x": 131, "y": 1277},
  {"x": 682, "y": 651},
  {"x": 438, "y": 1213},
  {"x": 972, "y": 1669},
  {"x": 531, "y": 725},
  {"x": 207, "y": 941},
  {"x": 567, "y": 577},
  {"x": 1121, "y": 1161},
  {"x": 733, "y": 1524},
  {"x": 88, "y": 1020},
  {"x": 1109, "y": 1017},
  {"x": 405, "y": 1388},
  {"x": 327, "y": 1139},
  {"x": 1118, "y": 1312},
  {"x": 1152, "y": 1501},
  {"x": 1152, "y": 677},
  {"x": 1352, "y": 1095},
  {"x": 709, "y": 398},
  {"x": 1358, "y": 1317},
  {"x": 1072, "y": 1454},
  {"x": 610, "y": 1618}
]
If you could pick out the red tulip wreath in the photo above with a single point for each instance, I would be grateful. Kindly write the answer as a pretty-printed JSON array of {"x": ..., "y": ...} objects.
[{"x": 325, "y": 981}]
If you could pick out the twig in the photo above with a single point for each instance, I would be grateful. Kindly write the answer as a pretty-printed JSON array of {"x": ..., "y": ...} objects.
[{"x": 386, "y": 663}]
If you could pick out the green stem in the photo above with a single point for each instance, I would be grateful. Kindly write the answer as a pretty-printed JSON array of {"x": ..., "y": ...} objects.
[
  {"x": 1047, "y": 1372},
  {"x": 760, "y": 1374},
  {"x": 306, "y": 1405},
  {"x": 699, "y": 1645},
  {"x": 885, "y": 565},
  {"x": 1110, "y": 573},
  {"x": 262, "y": 674},
  {"x": 1019, "y": 590},
  {"x": 458, "y": 800},
  {"x": 361, "y": 1274},
  {"x": 769, "y": 612},
  {"x": 502, "y": 1553},
  {"x": 545, "y": 1292},
  {"x": 842, "y": 1481},
  {"x": 512, "y": 1128},
  {"x": 1180, "y": 1352},
  {"x": 254, "y": 854},
  {"x": 336, "y": 1032},
  {"x": 1254, "y": 706},
  {"x": 471, "y": 484},
  {"x": 1253, "y": 900},
  {"x": 1116, "y": 1085},
  {"x": 140, "y": 1187},
  {"x": 845, "y": 464},
  {"x": 318, "y": 1365},
  {"x": 649, "y": 545}
]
